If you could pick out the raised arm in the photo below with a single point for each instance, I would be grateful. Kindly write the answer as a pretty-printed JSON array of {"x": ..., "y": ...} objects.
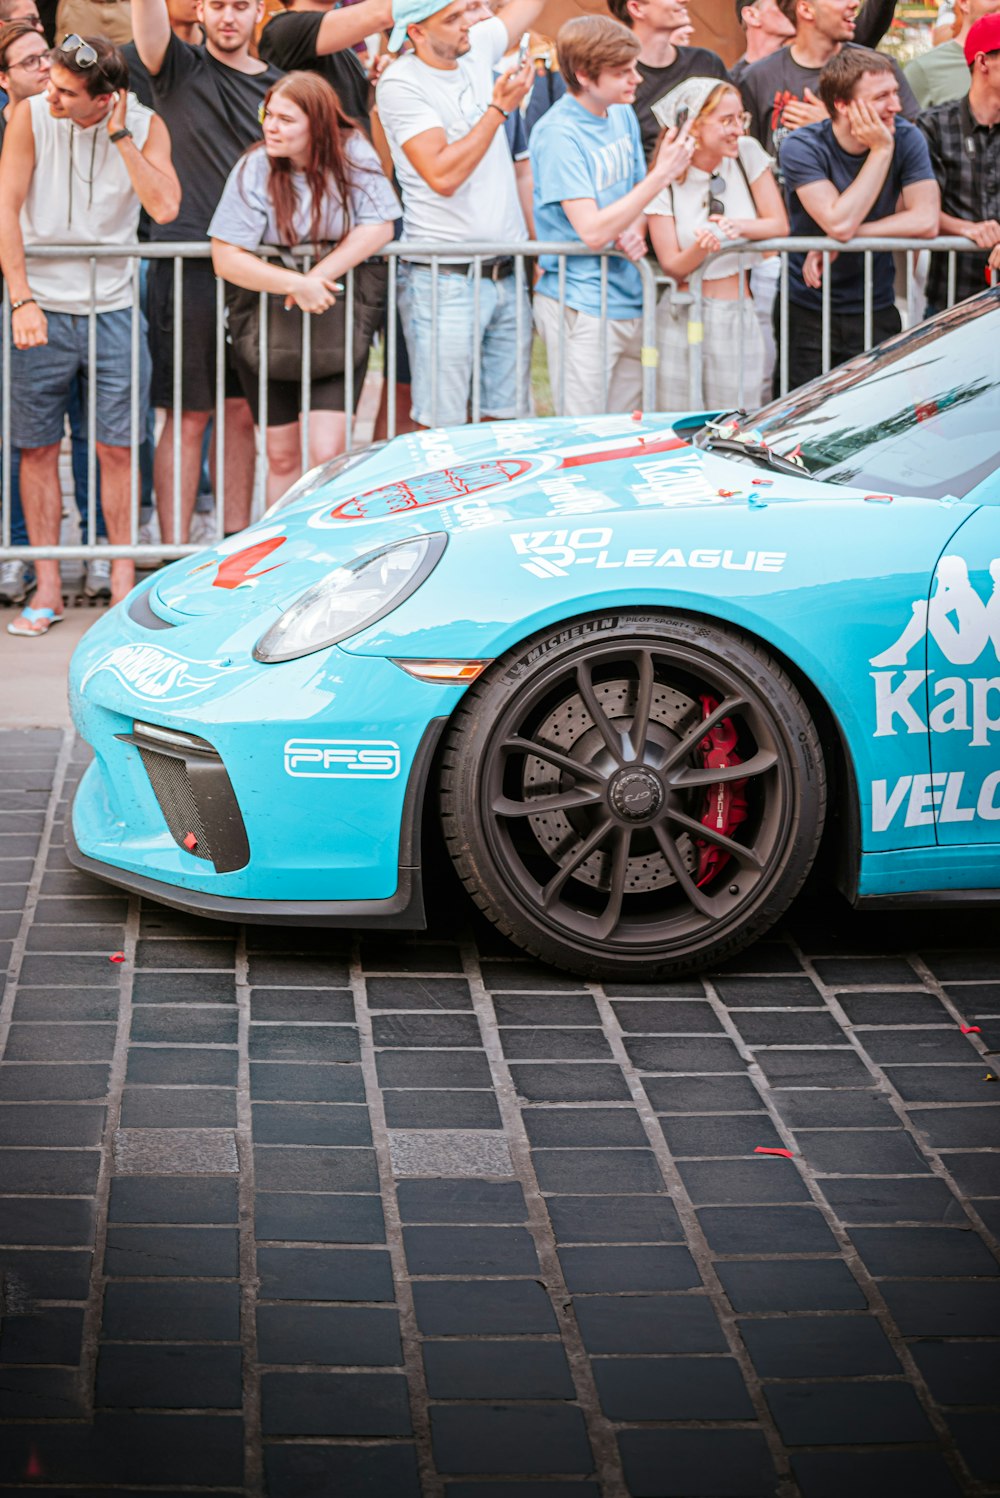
[
  {"x": 598, "y": 227},
  {"x": 17, "y": 163},
  {"x": 519, "y": 16},
  {"x": 349, "y": 24},
  {"x": 151, "y": 32},
  {"x": 150, "y": 170},
  {"x": 446, "y": 167},
  {"x": 841, "y": 214}
]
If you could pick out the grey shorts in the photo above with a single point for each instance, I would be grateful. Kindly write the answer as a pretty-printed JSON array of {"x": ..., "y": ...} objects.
[{"x": 41, "y": 380}]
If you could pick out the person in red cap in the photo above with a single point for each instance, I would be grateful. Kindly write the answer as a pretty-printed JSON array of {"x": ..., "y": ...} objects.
[{"x": 964, "y": 142}]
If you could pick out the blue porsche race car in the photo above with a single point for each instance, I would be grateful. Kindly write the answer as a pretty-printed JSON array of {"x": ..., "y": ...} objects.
[{"x": 631, "y": 669}]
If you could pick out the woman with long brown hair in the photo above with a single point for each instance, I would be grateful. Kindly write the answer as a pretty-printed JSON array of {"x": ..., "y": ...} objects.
[{"x": 314, "y": 179}]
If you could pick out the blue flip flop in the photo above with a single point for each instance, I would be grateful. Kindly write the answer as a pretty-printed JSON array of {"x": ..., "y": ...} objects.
[{"x": 32, "y": 622}]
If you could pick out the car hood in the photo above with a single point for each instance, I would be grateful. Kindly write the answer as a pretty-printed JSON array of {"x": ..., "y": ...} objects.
[{"x": 468, "y": 479}]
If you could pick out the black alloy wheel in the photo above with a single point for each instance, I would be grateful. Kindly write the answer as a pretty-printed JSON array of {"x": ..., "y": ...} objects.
[{"x": 633, "y": 795}]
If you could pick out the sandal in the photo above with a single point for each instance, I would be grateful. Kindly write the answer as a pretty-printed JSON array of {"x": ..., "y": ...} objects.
[{"x": 34, "y": 622}]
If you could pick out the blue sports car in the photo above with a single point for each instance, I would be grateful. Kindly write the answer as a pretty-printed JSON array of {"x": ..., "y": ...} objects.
[{"x": 633, "y": 670}]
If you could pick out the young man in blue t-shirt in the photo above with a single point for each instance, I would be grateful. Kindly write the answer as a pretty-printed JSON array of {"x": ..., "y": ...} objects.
[
  {"x": 861, "y": 174},
  {"x": 591, "y": 185}
]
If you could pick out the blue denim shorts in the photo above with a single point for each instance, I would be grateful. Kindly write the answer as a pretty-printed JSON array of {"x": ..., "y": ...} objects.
[
  {"x": 446, "y": 400},
  {"x": 42, "y": 379}
]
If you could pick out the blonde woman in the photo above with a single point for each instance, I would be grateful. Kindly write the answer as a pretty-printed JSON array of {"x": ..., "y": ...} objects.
[{"x": 728, "y": 192}]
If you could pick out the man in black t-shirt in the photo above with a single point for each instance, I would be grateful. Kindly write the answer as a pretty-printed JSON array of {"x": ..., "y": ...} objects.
[
  {"x": 311, "y": 34},
  {"x": 184, "y": 24},
  {"x": 210, "y": 97},
  {"x": 661, "y": 65}
]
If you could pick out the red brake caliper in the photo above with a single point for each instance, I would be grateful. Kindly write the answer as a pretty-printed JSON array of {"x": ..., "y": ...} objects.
[{"x": 725, "y": 803}]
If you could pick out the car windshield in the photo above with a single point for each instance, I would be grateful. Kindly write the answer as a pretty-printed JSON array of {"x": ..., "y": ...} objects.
[{"x": 919, "y": 415}]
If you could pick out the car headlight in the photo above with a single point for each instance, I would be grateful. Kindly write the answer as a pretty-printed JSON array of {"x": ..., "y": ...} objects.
[
  {"x": 352, "y": 597},
  {"x": 323, "y": 473}
]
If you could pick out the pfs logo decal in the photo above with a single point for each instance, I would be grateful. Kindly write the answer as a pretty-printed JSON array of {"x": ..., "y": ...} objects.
[
  {"x": 550, "y": 553},
  {"x": 159, "y": 675},
  {"x": 342, "y": 759}
]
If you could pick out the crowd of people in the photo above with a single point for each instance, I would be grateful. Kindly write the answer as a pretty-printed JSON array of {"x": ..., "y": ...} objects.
[{"x": 174, "y": 121}]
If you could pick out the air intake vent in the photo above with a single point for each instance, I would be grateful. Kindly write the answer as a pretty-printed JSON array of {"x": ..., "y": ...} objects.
[
  {"x": 195, "y": 795},
  {"x": 173, "y": 790}
]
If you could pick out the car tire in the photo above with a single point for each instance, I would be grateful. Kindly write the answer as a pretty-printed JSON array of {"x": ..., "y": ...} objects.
[{"x": 580, "y": 772}]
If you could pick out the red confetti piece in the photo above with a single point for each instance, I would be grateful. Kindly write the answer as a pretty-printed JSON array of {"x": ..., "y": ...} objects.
[
  {"x": 728, "y": 493},
  {"x": 971, "y": 1030},
  {"x": 117, "y": 957},
  {"x": 878, "y": 499},
  {"x": 758, "y": 480},
  {"x": 762, "y": 1149},
  {"x": 34, "y": 1467},
  {"x": 190, "y": 842},
  {"x": 636, "y": 415}
]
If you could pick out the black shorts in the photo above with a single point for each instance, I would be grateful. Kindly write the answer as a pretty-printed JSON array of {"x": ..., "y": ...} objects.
[
  {"x": 198, "y": 347},
  {"x": 284, "y": 397}
]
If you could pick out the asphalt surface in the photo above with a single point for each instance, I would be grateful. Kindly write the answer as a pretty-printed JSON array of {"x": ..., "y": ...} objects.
[{"x": 302, "y": 1215}]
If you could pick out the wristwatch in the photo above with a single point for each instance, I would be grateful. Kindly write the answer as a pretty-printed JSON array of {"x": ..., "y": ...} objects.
[{"x": 123, "y": 134}]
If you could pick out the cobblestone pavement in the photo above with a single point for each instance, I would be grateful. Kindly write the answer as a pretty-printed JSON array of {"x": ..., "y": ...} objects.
[{"x": 309, "y": 1216}]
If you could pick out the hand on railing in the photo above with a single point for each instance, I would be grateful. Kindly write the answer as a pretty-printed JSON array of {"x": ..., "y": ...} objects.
[
  {"x": 812, "y": 267},
  {"x": 632, "y": 244},
  {"x": 985, "y": 234},
  {"x": 994, "y": 260},
  {"x": 29, "y": 326}
]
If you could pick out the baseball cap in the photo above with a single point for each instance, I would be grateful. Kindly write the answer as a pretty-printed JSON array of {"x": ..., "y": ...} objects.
[
  {"x": 405, "y": 13},
  {"x": 984, "y": 37}
]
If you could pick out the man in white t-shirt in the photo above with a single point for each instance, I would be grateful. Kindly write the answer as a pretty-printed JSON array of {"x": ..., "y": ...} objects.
[{"x": 443, "y": 113}]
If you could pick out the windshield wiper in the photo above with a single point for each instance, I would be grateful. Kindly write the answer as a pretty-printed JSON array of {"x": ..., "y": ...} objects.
[{"x": 723, "y": 435}]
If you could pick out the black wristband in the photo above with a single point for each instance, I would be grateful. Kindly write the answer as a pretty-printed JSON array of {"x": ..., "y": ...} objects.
[
  {"x": 25, "y": 301},
  {"x": 123, "y": 134},
  {"x": 491, "y": 105}
]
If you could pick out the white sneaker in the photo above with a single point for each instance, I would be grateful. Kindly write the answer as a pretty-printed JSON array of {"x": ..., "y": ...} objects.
[
  {"x": 13, "y": 581},
  {"x": 97, "y": 583},
  {"x": 149, "y": 531},
  {"x": 203, "y": 528}
]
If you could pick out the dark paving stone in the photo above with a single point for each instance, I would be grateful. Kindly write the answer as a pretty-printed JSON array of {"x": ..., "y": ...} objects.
[
  {"x": 41, "y": 1394},
  {"x": 766, "y": 1230},
  {"x": 23, "y": 1081},
  {"x": 47, "y": 1335},
  {"x": 169, "y": 1377},
  {"x": 760, "y": 1027},
  {"x": 915, "y": 1046},
  {"x": 924, "y": 1251},
  {"x": 62, "y": 1042},
  {"x": 418, "y": 993},
  {"x": 667, "y": 1017},
  {"x": 958, "y": 1128},
  {"x": 354, "y": 1336},
  {"x": 672, "y": 1389},
  {"x": 184, "y": 988},
  {"x": 433, "y": 1069},
  {"x": 120, "y": 1448},
  {"x": 441, "y": 1110},
  {"x": 62, "y": 1274},
  {"x": 318, "y": 1006},
  {"x": 287, "y": 1081},
  {"x": 334, "y": 1404},
  {"x": 287, "y": 1217},
  {"x": 648, "y": 1267},
  {"x": 596, "y": 1082},
  {"x": 189, "y": 952},
  {"x": 173, "y": 1199},
  {"x": 912, "y": 1008},
  {"x": 940, "y": 1084},
  {"x": 714, "y": 1135},
  {"x": 596, "y": 1172},
  {"x": 314, "y": 1168},
  {"x": 975, "y": 1435},
  {"x": 104, "y": 939},
  {"x": 892, "y": 1201},
  {"x": 461, "y": 1201},
  {"x": 766, "y": 1178},
  {"x": 179, "y": 1108},
  {"x": 470, "y": 1250},
  {"x": 862, "y": 1152},
  {"x": 304, "y": 1043},
  {"x": 111, "y": 908},
  {"x": 50, "y": 1221},
  {"x": 37, "y": 1004},
  {"x": 817, "y": 1068},
  {"x": 697, "y": 1464},
  {"x": 818, "y": 1347},
  {"x": 552, "y": 1009},
  {"x": 312, "y": 1471},
  {"x": 594, "y": 1127},
  {"x": 182, "y": 1066},
  {"x": 180, "y": 1024},
  {"x": 881, "y": 970},
  {"x": 310, "y": 1123},
  {"x": 848, "y": 1414},
  {"x": 975, "y": 1174},
  {"x": 179, "y": 1252},
  {"x": 924, "y": 1309},
  {"x": 482, "y": 1308},
  {"x": 170, "y": 1312},
  {"x": 832, "y": 1110},
  {"x": 540, "y": 1044},
  {"x": 49, "y": 1172},
  {"x": 720, "y": 1094},
  {"x": 513, "y": 977},
  {"x": 977, "y": 998},
  {"x": 684, "y": 1054},
  {"x": 543, "y": 1438},
  {"x": 796, "y": 1285},
  {"x": 873, "y": 1474},
  {"x": 543, "y": 1489},
  {"x": 614, "y": 1219},
  {"x": 324, "y": 1274},
  {"x": 643, "y": 1324},
  {"x": 497, "y": 1370},
  {"x": 403, "y": 954},
  {"x": 431, "y": 1031},
  {"x": 989, "y": 1211},
  {"x": 963, "y": 966},
  {"x": 960, "y": 1372},
  {"x": 42, "y": 1124},
  {"x": 768, "y": 993}
]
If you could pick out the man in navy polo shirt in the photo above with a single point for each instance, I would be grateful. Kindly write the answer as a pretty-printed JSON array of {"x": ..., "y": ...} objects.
[{"x": 861, "y": 174}]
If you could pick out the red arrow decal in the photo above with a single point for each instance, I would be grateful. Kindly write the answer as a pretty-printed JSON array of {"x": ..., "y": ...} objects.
[{"x": 236, "y": 569}]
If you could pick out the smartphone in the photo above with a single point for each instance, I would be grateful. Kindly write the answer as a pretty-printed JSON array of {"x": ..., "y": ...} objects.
[
  {"x": 682, "y": 117},
  {"x": 522, "y": 50}
]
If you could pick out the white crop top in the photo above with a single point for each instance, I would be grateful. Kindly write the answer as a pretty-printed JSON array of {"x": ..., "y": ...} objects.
[{"x": 687, "y": 202}]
